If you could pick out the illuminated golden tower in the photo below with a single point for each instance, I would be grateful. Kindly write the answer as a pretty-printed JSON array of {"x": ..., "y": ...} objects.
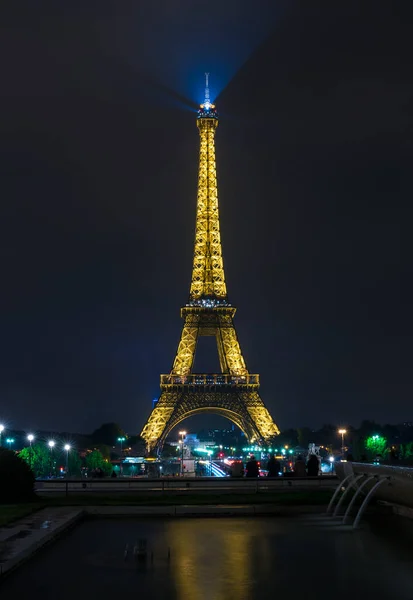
[{"x": 233, "y": 393}]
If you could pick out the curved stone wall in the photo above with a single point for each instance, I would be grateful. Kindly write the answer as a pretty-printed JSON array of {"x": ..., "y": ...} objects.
[{"x": 399, "y": 489}]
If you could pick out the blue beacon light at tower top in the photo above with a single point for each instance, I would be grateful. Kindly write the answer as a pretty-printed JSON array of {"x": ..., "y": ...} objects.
[{"x": 207, "y": 110}]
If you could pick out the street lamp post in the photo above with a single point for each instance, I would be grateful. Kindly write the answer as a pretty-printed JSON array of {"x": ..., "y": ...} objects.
[
  {"x": 342, "y": 432},
  {"x": 183, "y": 434},
  {"x": 30, "y": 437},
  {"x": 67, "y": 448},
  {"x": 121, "y": 440},
  {"x": 51, "y": 446},
  {"x": 1, "y": 431},
  {"x": 10, "y": 441}
]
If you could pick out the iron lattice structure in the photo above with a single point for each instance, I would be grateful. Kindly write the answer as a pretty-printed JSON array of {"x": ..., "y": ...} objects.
[{"x": 233, "y": 393}]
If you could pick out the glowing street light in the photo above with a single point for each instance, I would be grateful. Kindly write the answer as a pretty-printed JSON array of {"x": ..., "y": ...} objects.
[
  {"x": 67, "y": 448},
  {"x": 121, "y": 440},
  {"x": 183, "y": 434},
  {"x": 30, "y": 437},
  {"x": 1, "y": 431},
  {"x": 51, "y": 444},
  {"x": 342, "y": 432},
  {"x": 10, "y": 441}
]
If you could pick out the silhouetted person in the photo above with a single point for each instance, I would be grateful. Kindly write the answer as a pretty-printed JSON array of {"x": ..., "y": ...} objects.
[
  {"x": 113, "y": 474},
  {"x": 252, "y": 468},
  {"x": 312, "y": 466},
  {"x": 299, "y": 467},
  {"x": 273, "y": 467},
  {"x": 350, "y": 457}
]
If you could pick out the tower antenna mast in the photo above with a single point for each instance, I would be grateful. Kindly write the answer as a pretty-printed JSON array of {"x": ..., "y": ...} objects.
[{"x": 207, "y": 99}]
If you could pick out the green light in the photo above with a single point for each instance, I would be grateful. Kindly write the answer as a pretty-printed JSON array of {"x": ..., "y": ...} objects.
[
  {"x": 203, "y": 450},
  {"x": 291, "y": 451}
]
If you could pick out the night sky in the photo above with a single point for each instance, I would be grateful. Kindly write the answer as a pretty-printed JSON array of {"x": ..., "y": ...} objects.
[{"x": 99, "y": 157}]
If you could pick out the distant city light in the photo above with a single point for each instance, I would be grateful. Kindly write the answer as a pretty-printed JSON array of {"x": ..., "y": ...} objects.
[
  {"x": 51, "y": 443},
  {"x": 67, "y": 447},
  {"x": 30, "y": 437}
]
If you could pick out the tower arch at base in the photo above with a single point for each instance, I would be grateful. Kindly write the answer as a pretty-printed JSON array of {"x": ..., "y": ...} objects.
[
  {"x": 174, "y": 407},
  {"x": 221, "y": 412}
]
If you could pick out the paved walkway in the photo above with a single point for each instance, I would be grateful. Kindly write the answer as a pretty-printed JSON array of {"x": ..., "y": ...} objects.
[{"x": 23, "y": 538}]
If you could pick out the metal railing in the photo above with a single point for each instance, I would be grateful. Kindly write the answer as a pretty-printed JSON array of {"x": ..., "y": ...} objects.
[{"x": 217, "y": 380}]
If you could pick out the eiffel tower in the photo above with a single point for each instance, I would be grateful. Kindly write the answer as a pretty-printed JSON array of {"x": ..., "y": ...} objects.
[{"x": 233, "y": 393}]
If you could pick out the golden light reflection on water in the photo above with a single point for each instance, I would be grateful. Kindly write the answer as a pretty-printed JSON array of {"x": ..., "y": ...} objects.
[{"x": 218, "y": 556}]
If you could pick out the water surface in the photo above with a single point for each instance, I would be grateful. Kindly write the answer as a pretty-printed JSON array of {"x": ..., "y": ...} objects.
[{"x": 217, "y": 559}]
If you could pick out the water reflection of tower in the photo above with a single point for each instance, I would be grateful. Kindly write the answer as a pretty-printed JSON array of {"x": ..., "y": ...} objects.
[{"x": 228, "y": 573}]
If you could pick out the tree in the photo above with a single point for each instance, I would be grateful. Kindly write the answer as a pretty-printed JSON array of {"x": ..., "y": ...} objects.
[
  {"x": 305, "y": 436},
  {"x": 369, "y": 428},
  {"x": 376, "y": 445},
  {"x": 75, "y": 464},
  {"x": 105, "y": 450},
  {"x": 108, "y": 434},
  {"x": 16, "y": 478},
  {"x": 391, "y": 432},
  {"x": 138, "y": 444},
  {"x": 95, "y": 460},
  {"x": 288, "y": 437},
  {"x": 39, "y": 458},
  {"x": 327, "y": 435},
  {"x": 406, "y": 451}
]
